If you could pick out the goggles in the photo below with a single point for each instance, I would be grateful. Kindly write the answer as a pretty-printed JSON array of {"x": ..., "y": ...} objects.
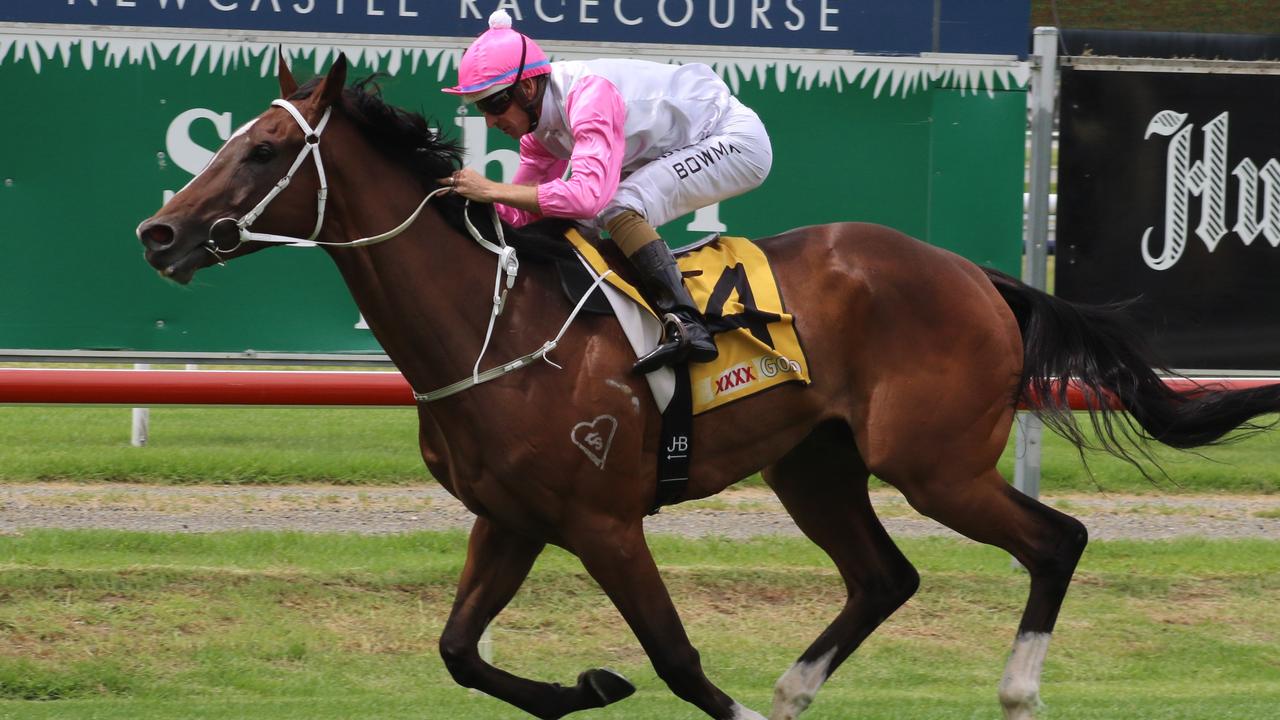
[{"x": 497, "y": 103}]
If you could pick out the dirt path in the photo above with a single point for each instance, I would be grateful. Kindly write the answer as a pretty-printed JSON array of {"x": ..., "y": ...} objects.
[{"x": 743, "y": 513}]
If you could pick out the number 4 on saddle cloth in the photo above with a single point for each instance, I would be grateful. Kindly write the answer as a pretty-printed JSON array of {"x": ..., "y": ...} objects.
[{"x": 732, "y": 284}]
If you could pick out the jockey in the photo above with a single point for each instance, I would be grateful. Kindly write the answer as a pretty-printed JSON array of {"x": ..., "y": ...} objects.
[{"x": 647, "y": 143}]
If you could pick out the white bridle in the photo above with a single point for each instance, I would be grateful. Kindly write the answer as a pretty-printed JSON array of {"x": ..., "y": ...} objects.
[
  {"x": 508, "y": 264},
  {"x": 311, "y": 147}
]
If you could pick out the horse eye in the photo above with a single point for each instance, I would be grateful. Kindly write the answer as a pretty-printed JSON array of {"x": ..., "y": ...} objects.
[{"x": 262, "y": 152}]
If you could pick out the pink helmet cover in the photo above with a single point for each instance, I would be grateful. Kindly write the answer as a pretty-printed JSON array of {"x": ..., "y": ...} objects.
[{"x": 493, "y": 60}]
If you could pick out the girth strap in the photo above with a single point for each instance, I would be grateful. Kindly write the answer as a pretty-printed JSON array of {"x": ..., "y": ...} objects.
[{"x": 675, "y": 446}]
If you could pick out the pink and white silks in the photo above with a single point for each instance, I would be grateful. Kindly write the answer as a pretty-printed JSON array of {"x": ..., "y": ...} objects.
[{"x": 661, "y": 140}]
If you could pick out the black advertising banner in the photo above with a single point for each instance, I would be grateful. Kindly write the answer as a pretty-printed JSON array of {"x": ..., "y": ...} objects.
[{"x": 1169, "y": 193}]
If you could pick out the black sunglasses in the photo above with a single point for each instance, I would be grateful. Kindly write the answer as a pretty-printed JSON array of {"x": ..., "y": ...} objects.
[{"x": 497, "y": 103}]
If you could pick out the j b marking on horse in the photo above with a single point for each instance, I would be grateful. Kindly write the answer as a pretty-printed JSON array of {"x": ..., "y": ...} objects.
[
  {"x": 595, "y": 438},
  {"x": 890, "y": 324}
]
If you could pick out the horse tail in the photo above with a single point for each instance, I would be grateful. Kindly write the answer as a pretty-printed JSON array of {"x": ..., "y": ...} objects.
[{"x": 1102, "y": 349}]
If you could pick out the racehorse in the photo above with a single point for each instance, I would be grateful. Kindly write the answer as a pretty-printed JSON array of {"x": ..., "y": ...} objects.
[{"x": 918, "y": 359}]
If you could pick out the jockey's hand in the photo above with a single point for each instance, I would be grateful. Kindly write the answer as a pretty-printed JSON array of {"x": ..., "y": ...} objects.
[{"x": 472, "y": 185}]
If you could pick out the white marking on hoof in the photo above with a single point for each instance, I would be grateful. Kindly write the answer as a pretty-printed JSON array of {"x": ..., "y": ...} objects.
[
  {"x": 1020, "y": 686},
  {"x": 745, "y": 713},
  {"x": 797, "y": 687}
]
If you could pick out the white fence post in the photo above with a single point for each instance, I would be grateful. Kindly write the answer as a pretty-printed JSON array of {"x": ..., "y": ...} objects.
[
  {"x": 141, "y": 418},
  {"x": 1044, "y": 90}
]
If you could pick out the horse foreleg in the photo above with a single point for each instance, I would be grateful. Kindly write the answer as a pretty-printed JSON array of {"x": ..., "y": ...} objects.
[
  {"x": 621, "y": 563},
  {"x": 497, "y": 564},
  {"x": 822, "y": 484}
]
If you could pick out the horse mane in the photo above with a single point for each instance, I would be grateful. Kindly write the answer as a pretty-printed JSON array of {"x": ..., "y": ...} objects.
[{"x": 408, "y": 140}]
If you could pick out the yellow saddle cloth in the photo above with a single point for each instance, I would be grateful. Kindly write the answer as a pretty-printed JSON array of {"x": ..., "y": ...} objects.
[{"x": 732, "y": 284}]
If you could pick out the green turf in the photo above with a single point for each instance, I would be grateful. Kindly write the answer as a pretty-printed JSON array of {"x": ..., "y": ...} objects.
[
  {"x": 379, "y": 447},
  {"x": 261, "y": 625},
  {"x": 1225, "y": 16},
  {"x": 217, "y": 445}
]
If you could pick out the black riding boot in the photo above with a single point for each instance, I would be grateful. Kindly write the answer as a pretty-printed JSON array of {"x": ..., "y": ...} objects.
[{"x": 684, "y": 332}]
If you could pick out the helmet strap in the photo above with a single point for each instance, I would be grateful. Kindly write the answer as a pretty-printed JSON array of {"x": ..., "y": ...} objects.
[
  {"x": 533, "y": 105},
  {"x": 530, "y": 105},
  {"x": 526, "y": 103}
]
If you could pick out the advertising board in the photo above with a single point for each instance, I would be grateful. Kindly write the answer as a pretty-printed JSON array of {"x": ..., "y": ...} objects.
[
  {"x": 908, "y": 27},
  {"x": 1170, "y": 196},
  {"x": 111, "y": 120}
]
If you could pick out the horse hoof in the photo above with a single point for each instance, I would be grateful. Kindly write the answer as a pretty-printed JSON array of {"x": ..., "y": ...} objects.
[{"x": 608, "y": 685}]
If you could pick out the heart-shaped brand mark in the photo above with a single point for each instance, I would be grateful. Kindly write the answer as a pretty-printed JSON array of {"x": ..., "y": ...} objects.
[{"x": 595, "y": 438}]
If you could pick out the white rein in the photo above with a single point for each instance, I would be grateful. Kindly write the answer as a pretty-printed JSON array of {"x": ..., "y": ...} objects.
[{"x": 508, "y": 263}]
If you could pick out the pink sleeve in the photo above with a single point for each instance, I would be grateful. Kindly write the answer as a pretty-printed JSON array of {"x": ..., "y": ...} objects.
[
  {"x": 536, "y": 166},
  {"x": 596, "y": 118}
]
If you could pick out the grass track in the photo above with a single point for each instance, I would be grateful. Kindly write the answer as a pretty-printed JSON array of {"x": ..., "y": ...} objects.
[
  {"x": 379, "y": 447},
  {"x": 1225, "y": 16},
  {"x": 273, "y": 626}
]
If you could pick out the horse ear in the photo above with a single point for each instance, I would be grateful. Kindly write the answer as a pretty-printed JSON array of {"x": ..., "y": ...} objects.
[
  {"x": 288, "y": 86},
  {"x": 330, "y": 91}
]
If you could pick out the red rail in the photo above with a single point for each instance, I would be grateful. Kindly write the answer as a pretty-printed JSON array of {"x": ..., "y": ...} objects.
[{"x": 147, "y": 388}]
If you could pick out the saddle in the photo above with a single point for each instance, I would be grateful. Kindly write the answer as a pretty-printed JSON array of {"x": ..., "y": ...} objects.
[{"x": 734, "y": 288}]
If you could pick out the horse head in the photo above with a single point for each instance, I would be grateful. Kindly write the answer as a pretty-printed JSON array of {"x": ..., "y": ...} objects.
[{"x": 259, "y": 178}]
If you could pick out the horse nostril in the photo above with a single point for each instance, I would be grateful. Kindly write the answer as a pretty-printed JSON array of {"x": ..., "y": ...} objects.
[{"x": 156, "y": 236}]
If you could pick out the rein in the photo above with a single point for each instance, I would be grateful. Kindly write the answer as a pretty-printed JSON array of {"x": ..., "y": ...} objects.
[{"x": 508, "y": 263}]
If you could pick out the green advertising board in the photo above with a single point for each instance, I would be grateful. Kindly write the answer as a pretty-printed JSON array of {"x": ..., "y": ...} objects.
[{"x": 100, "y": 126}]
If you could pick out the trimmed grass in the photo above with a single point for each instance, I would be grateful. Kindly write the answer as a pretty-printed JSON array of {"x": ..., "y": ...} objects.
[
  {"x": 380, "y": 447},
  {"x": 1223, "y": 16},
  {"x": 261, "y": 625},
  {"x": 213, "y": 445}
]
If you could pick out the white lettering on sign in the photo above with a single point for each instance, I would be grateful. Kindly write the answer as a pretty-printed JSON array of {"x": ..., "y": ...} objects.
[
  {"x": 728, "y": 20},
  {"x": 824, "y": 11},
  {"x": 511, "y": 6},
  {"x": 544, "y": 16},
  {"x": 710, "y": 15},
  {"x": 798, "y": 22},
  {"x": 185, "y": 152},
  {"x": 759, "y": 14},
  {"x": 667, "y": 20},
  {"x": 617, "y": 12},
  {"x": 1206, "y": 178}
]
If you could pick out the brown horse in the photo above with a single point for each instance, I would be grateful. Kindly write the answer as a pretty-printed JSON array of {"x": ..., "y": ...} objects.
[{"x": 918, "y": 359}]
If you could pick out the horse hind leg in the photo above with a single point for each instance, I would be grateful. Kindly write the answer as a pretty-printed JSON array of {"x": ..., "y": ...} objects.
[
  {"x": 497, "y": 564},
  {"x": 1046, "y": 542},
  {"x": 822, "y": 484}
]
